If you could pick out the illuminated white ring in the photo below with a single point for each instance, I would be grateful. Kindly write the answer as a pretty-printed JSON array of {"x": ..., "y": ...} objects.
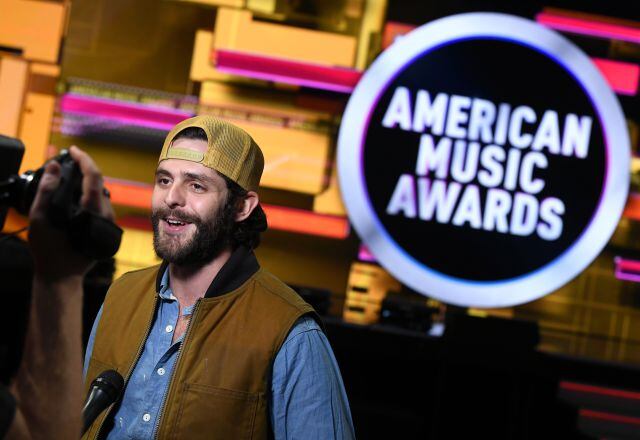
[{"x": 424, "y": 279}]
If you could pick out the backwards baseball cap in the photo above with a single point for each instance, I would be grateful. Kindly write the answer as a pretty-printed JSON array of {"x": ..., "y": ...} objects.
[{"x": 231, "y": 151}]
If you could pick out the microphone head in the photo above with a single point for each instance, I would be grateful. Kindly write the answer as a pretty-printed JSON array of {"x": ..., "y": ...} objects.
[
  {"x": 111, "y": 382},
  {"x": 105, "y": 389}
]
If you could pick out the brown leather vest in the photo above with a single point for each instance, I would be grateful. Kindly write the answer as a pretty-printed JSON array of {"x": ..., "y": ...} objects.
[{"x": 220, "y": 382}]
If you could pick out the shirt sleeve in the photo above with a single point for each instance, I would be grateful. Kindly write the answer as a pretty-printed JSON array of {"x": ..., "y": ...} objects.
[
  {"x": 90, "y": 342},
  {"x": 308, "y": 399}
]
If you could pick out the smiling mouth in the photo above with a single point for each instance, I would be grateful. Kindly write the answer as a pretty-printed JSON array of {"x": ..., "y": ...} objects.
[{"x": 174, "y": 225}]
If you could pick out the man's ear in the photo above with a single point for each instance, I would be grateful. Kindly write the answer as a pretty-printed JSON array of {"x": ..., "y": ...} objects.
[{"x": 247, "y": 206}]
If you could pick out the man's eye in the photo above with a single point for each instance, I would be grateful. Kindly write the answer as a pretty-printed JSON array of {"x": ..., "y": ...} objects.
[
  {"x": 163, "y": 181},
  {"x": 197, "y": 187}
]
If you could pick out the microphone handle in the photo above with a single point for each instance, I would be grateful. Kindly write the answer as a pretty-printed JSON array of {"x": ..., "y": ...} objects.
[{"x": 97, "y": 401}]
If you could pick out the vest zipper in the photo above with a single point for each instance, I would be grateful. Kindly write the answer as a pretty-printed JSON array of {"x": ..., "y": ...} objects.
[
  {"x": 132, "y": 366},
  {"x": 175, "y": 368}
]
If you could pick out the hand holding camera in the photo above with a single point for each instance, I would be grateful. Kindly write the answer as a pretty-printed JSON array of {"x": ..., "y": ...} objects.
[
  {"x": 71, "y": 218},
  {"x": 65, "y": 200}
]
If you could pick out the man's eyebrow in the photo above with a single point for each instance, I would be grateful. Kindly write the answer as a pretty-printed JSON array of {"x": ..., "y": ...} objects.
[
  {"x": 198, "y": 176},
  {"x": 187, "y": 175}
]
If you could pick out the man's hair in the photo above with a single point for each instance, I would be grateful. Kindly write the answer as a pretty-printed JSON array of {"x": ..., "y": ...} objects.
[{"x": 246, "y": 232}]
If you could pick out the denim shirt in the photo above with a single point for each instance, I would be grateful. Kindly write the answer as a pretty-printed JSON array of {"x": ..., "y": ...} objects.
[{"x": 308, "y": 399}]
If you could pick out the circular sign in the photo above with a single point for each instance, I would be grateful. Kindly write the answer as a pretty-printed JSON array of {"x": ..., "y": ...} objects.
[{"x": 484, "y": 160}]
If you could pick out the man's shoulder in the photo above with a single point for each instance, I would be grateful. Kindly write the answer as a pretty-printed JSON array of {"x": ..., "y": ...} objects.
[
  {"x": 278, "y": 294},
  {"x": 304, "y": 324},
  {"x": 276, "y": 288}
]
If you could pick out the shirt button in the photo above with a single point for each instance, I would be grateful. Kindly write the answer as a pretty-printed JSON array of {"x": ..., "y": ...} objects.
[
  {"x": 161, "y": 371},
  {"x": 146, "y": 417},
  {"x": 169, "y": 328}
]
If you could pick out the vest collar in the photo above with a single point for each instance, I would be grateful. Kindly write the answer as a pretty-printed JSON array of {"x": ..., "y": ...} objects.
[{"x": 239, "y": 268}]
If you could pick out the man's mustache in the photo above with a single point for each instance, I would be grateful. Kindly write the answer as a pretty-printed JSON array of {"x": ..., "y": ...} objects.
[{"x": 162, "y": 213}]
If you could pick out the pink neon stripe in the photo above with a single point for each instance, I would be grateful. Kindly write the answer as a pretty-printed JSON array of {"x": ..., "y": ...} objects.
[
  {"x": 616, "y": 418},
  {"x": 627, "y": 265},
  {"x": 622, "y": 77},
  {"x": 122, "y": 112},
  {"x": 286, "y": 79},
  {"x": 591, "y": 28},
  {"x": 593, "y": 389},
  {"x": 627, "y": 276},
  {"x": 122, "y": 121},
  {"x": 290, "y": 72},
  {"x": 365, "y": 255},
  {"x": 627, "y": 270}
]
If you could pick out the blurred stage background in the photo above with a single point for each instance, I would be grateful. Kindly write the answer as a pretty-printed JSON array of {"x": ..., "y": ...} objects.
[{"x": 114, "y": 76}]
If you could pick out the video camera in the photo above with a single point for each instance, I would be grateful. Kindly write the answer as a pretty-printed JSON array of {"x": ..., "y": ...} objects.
[{"x": 89, "y": 233}]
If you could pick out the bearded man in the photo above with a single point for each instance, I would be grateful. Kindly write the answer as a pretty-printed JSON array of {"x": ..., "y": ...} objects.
[{"x": 210, "y": 344}]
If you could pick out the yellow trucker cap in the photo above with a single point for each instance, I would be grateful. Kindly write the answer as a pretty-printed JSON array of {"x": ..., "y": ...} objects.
[{"x": 231, "y": 150}]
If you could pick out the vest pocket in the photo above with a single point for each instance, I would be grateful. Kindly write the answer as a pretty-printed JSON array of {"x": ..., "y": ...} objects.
[{"x": 215, "y": 413}]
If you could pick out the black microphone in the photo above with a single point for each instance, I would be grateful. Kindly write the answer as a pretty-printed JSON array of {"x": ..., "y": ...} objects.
[{"x": 104, "y": 390}]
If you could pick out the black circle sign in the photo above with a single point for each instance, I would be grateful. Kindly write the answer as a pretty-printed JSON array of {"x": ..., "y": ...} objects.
[{"x": 483, "y": 159}]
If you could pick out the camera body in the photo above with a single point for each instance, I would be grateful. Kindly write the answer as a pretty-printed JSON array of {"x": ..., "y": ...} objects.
[{"x": 89, "y": 233}]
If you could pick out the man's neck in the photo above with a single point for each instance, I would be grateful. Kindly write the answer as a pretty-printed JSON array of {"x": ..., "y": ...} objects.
[{"x": 189, "y": 283}]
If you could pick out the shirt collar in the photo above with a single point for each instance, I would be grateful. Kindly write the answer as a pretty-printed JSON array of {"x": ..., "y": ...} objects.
[
  {"x": 239, "y": 268},
  {"x": 165, "y": 291}
]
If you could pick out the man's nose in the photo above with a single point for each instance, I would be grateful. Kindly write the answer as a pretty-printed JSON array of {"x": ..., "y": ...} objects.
[{"x": 174, "y": 196}]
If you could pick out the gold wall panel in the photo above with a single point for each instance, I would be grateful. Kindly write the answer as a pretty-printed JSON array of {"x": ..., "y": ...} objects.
[
  {"x": 35, "y": 129},
  {"x": 37, "y": 113},
  {"x": 370, "y": 282},
  {"x": 262, "y": 6},
  {"x": 136, "y": 251},
  {"x": 201, "y": 67},
  {"x": 34, "y": 27},
  {"x": 330, "y": 201},
  {"x": 295, "y": 160},
  {"x": 251, "y": 99},
  {"x": 361, "y": 312},
  {"x": 136, "y": 43},
  {"x": 34, "y": 91},
  {"x": 236, "y": 30},
  {"x": 14, "y": 75},
  {"x": 216, "y": 3},
  {"x": 370, "y": 32},
  {"x": 367, "y": 287},
  {"x": 27, "y": 94}
]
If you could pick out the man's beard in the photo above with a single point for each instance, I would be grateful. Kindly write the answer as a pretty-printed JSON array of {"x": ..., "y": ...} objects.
[{"x": 212, "y": 236}]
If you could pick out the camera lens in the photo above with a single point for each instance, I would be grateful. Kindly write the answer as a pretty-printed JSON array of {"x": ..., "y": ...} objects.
[{"x": 24, "y": 190}]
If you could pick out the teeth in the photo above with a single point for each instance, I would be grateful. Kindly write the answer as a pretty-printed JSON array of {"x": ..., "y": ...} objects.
[{"x": 175, "y": 223}]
